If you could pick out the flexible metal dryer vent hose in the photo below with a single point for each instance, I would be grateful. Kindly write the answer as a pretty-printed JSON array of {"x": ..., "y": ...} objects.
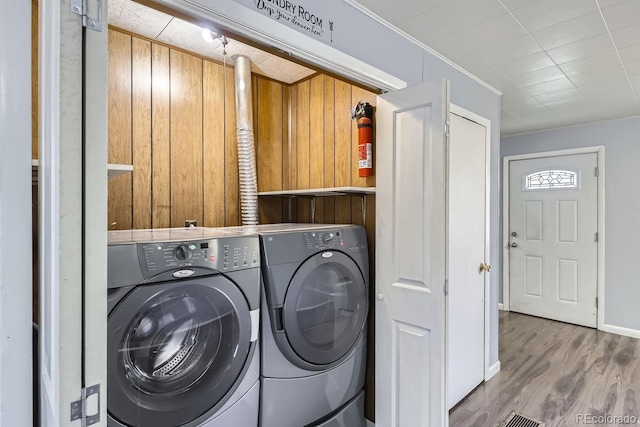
[{"x": 246, "y": 145}]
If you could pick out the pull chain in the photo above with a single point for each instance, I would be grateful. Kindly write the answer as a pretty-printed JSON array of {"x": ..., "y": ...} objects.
[{"x": 225, "y": 41}]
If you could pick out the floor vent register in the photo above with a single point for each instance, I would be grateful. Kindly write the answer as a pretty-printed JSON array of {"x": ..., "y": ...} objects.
[{"x": 517, "y": 420}]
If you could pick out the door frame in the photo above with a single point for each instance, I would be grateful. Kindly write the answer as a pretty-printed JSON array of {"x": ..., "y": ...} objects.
[
  {"x": 15, "y": 215},
  {"x": 599, "y": 150},
  {"x": 489, "y": 371}
]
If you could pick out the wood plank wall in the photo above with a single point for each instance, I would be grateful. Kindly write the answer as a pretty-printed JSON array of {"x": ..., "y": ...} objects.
[{"x": 172, "y": 116}]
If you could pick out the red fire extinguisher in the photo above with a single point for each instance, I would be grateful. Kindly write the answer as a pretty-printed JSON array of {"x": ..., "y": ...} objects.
[{"x": 363, "y": 113}]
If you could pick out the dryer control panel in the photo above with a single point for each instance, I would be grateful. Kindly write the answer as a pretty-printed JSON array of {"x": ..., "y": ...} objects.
[
  {"x": 334, "y": 239},
  {"x": 224, "y": 255}
]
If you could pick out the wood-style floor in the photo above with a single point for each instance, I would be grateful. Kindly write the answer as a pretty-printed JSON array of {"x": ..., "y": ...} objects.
[{"x": 553, "y": 372}]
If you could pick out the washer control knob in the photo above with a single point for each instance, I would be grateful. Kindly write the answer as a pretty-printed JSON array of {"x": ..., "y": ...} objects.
[
  {"x": 328, "y": 237},
  {"x": 183, "y": 253}
]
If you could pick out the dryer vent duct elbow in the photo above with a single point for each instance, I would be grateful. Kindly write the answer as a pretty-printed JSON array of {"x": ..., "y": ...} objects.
[{"x": 246, "y": 144}]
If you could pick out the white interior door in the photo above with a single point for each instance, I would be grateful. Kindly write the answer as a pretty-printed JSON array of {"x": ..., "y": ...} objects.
[
  {"x": 73, "y": 215},
  {"x": 411, "y": 257},
  {"x": 553, "y": 226},
  {"x": 467, "y": 242}
]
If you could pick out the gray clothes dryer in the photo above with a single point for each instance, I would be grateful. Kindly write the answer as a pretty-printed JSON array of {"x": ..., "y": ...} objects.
[
  {"x": 183, "y": 328},
  {"x": 315, "y": 307}
]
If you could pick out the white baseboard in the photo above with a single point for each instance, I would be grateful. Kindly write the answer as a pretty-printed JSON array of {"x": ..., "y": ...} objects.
[
  {"x": 619, "y": 330},
  {"x": 500, "y": 306},
  {"x": 493, "y": 370},
  {"x": 370, "y": 423}
]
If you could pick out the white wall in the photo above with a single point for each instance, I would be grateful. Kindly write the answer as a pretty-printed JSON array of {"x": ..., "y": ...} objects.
[
  {"x": 15, "y": 213},
  {"x": 621, "y": 139}
]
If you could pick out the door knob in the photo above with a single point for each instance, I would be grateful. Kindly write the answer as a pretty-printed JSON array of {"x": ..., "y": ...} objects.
[
  {"x": 484, "y": 267},
  {"x": 514, "y": 245}
]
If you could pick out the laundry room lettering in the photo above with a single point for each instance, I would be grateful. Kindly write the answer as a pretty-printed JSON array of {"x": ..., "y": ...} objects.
[{"x": 295, "y": 15}]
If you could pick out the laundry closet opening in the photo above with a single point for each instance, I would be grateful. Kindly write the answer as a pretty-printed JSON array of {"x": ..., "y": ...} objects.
[{"x": 172, "y": 131}]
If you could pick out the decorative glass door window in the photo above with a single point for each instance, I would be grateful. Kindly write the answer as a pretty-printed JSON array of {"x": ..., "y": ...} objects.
[{"x": 551, "y": 179}]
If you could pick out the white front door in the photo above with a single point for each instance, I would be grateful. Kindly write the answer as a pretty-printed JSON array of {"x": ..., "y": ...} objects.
[
  {"x": 410, "y": 314},
  {"x": 553, "y": 224},
  {"x": 467, "y": 241}
]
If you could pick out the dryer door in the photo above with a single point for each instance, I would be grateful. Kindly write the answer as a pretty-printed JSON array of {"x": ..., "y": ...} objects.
[
  {"x": 176, "y": 351},
  {"x": 325, "y": 308}
]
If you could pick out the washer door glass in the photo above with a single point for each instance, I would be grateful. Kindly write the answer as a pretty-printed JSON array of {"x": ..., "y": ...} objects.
[
  {"x": 176, "y": 351},
  {"x": 325, "y": 308}
]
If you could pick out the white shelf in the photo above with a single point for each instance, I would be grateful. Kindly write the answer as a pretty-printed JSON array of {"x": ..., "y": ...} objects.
[
  {"x": 322, "y": 192},
  {"x": 112, "y": 169},
  {"x": 117, "y": 170}
]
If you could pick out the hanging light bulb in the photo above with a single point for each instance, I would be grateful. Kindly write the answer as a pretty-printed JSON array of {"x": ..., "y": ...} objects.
[{"x": 208, "y": 35}]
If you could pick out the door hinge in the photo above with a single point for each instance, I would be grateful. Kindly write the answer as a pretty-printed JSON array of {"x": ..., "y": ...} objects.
[
  {"x": 597, "y": 172},
  {"x": 81, "y": 7},
  {"x": 445, "y": 288},
  {"x": 596, "y": 236},
  {"x": 596, "y": 302},
  {"x": 80, "y": 408},
  {"x": 446, "y": 129}
]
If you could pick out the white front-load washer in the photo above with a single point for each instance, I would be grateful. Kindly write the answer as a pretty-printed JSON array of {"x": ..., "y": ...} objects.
[
  {"x": 183, "y": 328},
  {"x": 314, "y": 314}
]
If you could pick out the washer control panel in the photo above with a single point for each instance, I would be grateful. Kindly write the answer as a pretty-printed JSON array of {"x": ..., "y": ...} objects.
[
  {"x": 333, "y": 239},
  {"x": 224, "y": 255}
]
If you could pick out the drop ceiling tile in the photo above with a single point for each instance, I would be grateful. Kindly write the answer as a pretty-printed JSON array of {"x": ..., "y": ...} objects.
[
  {"x": 622, "y": 14},
  {"x": 395, "y": 12},
  {"x": 627, "y": 36},
  {"x": 633, "y": 68},
  {"x": 513, "y": 94},
  {"x": 516, "y": 4},
  {"x": 571, "y": 107},
  {"x": 525, "y": 110},
  {"x": 567, "y": 32},
  {"x": 282, "y": 70},
  {"x": 619, "y": 104},
  {"x": 187, "y": 36},
  {"x": 551, "y": 86},
  {"x": 608, "y": 89},
  {"x": 422, "y": 6},
  {"x": 530, "y": 63},
  {"x": 545, "y": 13},
  {"x": 137, "y": 18},
  {"x": 590, "y": 63},
  {"x": 457, "y": 15},
  {"x": 598, "y": 76},
  {"x": 567, "y": 95},
  {"x": 517, "y": 47},
  {"x": 538, "y": 76},
  {"x": 616, "y": 112},
  {"x": 608, "y": 3},
  {"x": 581, "y": 49},
  {"x": 516, "y": 104},
  {"x": 630, "y": 53},
  {"x": 256, "y": 56},
  {"x": 492, "y": 32}
]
